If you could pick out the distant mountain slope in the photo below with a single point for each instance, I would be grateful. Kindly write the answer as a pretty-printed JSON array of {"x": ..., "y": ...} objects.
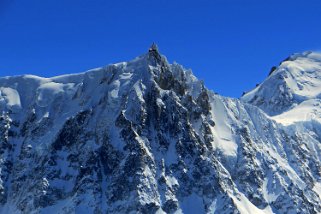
[
  {"x": 146, "y": 136},
  {"x": 294, "y": 86}
]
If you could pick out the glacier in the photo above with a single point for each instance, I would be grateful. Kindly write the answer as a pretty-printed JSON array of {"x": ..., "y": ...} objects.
[{"x": 147, "y": 136}]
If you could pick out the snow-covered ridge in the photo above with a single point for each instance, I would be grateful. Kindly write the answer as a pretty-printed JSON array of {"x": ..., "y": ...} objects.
[
  {"x": 19, "y": 91},
  {"x": 146, "y": 136}
]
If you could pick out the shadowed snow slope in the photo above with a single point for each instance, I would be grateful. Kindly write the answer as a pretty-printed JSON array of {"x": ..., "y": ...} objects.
[{"x": 146, "y": 136}]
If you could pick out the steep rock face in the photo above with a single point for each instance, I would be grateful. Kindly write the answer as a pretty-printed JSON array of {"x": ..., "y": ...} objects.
[{"x": 146, "y": 136}]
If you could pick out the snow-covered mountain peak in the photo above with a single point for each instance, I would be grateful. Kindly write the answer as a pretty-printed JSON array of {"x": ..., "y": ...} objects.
[
  {"x": 296, "y": 80},
  {"x": 146, "y": 136},
  {"x": 20, "y": 92}
]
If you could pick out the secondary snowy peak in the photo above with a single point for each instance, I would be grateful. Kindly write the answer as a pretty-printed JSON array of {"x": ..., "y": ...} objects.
[{"x": 294, "y": 81}]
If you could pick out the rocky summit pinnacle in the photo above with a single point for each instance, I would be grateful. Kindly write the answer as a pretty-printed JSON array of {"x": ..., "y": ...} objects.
[
  {"x": 153, "y": 52},
  {"x": 147, "y": 136},
  {"x": 153, "y": 48}
]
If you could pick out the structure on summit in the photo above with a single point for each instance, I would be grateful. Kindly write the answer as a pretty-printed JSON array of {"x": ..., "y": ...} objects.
[{"x": 153, "y": 48}]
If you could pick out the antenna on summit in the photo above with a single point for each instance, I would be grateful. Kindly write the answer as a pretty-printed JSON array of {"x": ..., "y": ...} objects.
[
  {"x": 154, "y": 54},
  {"x": 153, "y": 48}
]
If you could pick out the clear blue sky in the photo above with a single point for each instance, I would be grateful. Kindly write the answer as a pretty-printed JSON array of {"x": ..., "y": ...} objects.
[{"x": 231, "y": 45}]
